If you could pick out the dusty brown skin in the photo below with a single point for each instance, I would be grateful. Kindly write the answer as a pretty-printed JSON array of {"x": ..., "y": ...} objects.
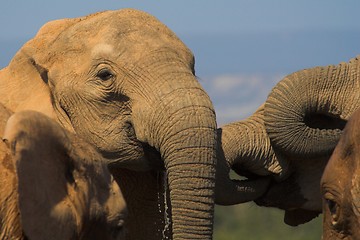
[
  {"x": 340, "y": 186},
  {"x": 304, "y": 118},
  {"x": 125, "y": 83},
  {"x": 293, "y": 135},
  {"x": 54, "y": 185}
]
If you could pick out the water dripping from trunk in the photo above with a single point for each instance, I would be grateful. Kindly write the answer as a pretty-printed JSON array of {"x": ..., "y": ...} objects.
[{"x": 164, "y": 205}]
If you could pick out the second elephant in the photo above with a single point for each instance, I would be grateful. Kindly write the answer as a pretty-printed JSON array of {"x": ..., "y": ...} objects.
[
  {"x": 340, "y": 186},
  {"x": 293, "y": 135},
  {"x": 54, "y": 185}
]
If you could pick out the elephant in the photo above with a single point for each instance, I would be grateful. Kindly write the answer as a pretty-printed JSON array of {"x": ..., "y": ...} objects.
[
  {"x": 292, "y": 136},
  {"x": 54, "y": 185},
  {"x": 125, "y": 83},
  {"x": 340, "y": 185}
]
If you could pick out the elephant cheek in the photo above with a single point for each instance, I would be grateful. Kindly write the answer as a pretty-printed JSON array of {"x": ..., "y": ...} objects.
[{"x": 130, "y": 158}]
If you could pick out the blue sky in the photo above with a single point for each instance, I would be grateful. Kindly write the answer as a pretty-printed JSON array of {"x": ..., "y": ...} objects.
[
  {"x": 23, "y": 17},
  {"x": 242, "y": 48}
]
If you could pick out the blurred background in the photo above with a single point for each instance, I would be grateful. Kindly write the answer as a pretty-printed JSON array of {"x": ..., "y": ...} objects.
[{"x": 242, "y": 49}]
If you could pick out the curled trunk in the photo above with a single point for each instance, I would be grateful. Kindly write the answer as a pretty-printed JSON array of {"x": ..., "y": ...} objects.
[
  {"x": 306, "y": 111},
  {"x": 247, "y": 147}
]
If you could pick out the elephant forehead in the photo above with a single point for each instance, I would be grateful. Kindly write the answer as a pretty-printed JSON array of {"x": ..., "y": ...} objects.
[
  {"x": 128, "y": 33},
  {"x": 122, "y": 28},
  {"x": 102, "y": 49},
  {"x": 114, "y": 25}
]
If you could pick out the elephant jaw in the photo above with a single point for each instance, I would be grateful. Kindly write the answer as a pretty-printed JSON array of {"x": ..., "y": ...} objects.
[{"x": 290, "y": 196}]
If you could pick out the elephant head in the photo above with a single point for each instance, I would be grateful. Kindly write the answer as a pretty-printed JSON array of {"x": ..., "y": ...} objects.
[
  {"x": 304, "y": 117},
  {"x": 123, "y": 82},
  {"x": 55, "y": 185},
  {"x": 340, "y": 185}
]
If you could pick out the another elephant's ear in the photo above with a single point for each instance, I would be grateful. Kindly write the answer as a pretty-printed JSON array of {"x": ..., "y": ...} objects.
[{"x": 39, "y": 150}]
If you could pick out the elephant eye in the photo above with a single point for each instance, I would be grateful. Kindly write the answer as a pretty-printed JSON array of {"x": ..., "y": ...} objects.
[
  {"x": 334, "y": 211},
  {"x": 105, "y": 74}
]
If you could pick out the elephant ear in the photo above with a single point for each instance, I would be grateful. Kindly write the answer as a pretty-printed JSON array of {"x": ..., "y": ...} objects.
[
  {"x": 44, "y": 170},
  {"x": 23, "y": 83}
]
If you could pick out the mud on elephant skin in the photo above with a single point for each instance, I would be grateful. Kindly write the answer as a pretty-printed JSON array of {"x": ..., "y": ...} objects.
[
  {"x": 340, "y": 185},
  {"x": 54, "y": 185},
  {"x": 304, "y": 116},
  {"x": 122, "y": 81}
]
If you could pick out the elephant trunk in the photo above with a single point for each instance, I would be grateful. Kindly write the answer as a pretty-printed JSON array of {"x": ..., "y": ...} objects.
[
  {"x": 250, "y": 149},
  {"x": 190, "y": 163},
  {"x": 306, "y": 111},
  {"x": 182, "y": 127},
  {"x": 245, "y": 147}
]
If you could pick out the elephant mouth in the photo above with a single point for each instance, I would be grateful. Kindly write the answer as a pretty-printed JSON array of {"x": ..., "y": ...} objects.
[
  {"x": 285, "y": 195},
  {"x": 294, "y": 215},
  {"x": 151, "y": 155},
  {"x": 132, "y": 153}
]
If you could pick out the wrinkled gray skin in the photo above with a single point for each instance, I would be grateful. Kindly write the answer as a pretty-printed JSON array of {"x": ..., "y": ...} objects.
[
  {"x": 123, "y": 82},
  {"x": 293, "y": 135},
  {"x": 304, "y": 117},
  {"x": 340, "y": 186},
  {"x": 245, "y": 148},
  {"x": 54, "y": 185}
]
